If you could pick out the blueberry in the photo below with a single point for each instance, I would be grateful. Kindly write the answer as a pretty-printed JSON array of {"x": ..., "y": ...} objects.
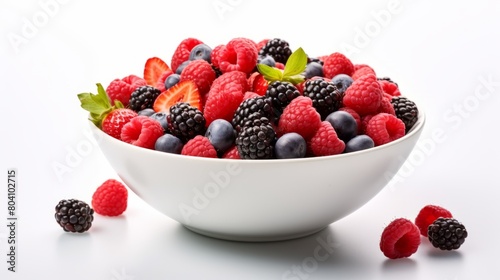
[
  {"x": 168, "y": 143},
  {"x": 146, "y": 112},
  {"x": 344, "y": 124},
  {"x": 314, "y": 69},
  {"x": 181, "y": 67},
  {"x": 172, "y": 80},
  {"x": 267, "y": 60},
  {"x": 358, "y": 143},
  {"x": 342, "y": 82},
  {"x": 161, "y": 117},
  {"x": 221, "y": 134},
  {"x": 290, "y": 145},
  {"x": 201, "y": 51}
]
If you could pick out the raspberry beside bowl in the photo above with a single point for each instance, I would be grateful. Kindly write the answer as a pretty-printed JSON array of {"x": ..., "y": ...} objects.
[{"x": 257, "y": 200}]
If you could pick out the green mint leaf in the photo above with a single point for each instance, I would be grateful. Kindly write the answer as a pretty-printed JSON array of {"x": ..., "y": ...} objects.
[
  {"x": 297, "y": 79},
  {"x": 296, "y": 63},
  {"x": 270, "y": 73}
]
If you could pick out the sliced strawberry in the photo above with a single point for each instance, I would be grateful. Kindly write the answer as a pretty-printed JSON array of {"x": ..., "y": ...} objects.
[
  {"x": 153, "y": 70},
  {"x": 185, "y": 91},
  {"x": 258, "y": 83}
]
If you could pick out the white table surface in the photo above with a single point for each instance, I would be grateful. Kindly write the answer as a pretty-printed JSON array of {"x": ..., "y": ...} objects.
[{"x": 443, "y": 54}]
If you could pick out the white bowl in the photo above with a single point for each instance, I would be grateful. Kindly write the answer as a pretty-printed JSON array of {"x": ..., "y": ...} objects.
[{"x": 256, "y": 200}]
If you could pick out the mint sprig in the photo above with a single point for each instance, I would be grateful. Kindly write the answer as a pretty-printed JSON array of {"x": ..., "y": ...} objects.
[
  {"x": 294, "y": 67},
  {"x": 98, "y": 105}
]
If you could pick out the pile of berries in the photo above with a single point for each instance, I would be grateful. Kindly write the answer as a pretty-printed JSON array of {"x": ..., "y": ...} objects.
[
  {"x": 248, "y": 100},
  {"x": 401, "y": 238}
]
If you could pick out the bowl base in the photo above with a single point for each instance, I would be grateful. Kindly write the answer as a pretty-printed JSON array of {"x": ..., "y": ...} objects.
[{"x": 254, "y": 238}]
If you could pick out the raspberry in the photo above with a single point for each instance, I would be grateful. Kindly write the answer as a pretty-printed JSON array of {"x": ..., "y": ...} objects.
[
  {"x": 325, "y": 141},
  {"x": 447, "y": 234},
  {"x": 199, "y": 146},
  {"x": 214, "y": 56},
  {"x": 354, "y": 115},
  {"x": 115, "y": 120},
  {"x": 364, "y": 123},
  {"x": 201, "y": 73},
  {"x": 364, "y": 95},
  {"x": 389, "y": 87},
  {"x": 142, "y": 131},
  {"x": 428, "y": 215},
  {"x": 225, "y": 96},
  {"x": 359, "y": 66},
  {"x": 300, "y": 117},
  {"x": 240, "y": 54},
  {"x": 384, "y": 128},
  {"x": 232, "y": 153},
  {"x": 337, "y": 63},
  {"x": 386, "y": 106},
  {"x": 74, "y": 215},
  {"x": 110, "y": 198},
  {"x": 250, "y": 94},
  {"x": 400, "y": 239},
  {"x": 122, "y": 89},
  {"x": 182, "y": 52},
  {"x": 362, "y": 71}
]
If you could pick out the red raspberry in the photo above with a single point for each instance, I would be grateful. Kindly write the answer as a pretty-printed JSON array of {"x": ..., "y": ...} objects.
[
  {"x": 364, "y": 95},
  {"x": 225, "y": 96},
  {"x": 232, "y": 153},
  {"x": 199, "y": 146},
  {"x": 160, "y": 84},
  {"x": 215, "y": 54},
  {"x": 110, "y": 199},
  {"x": 337, "y": 63},
  {"x": 201, "y": 73},
  {"x": 362, "y": 71},
  {"x": 359, "y": 66},
  {"x": 240, "y": 54},
  {"x": 354, "y": 115},
  {"x": 250, "y": 94},
  {"x": 389, "y": 88},
  {"x": 115, "y": 120},
  {"x": 386, "y": 106},
  {"x": 300, "y": 117},
  {"x": 384, "y": 128},
  {"x": 400, "y": 239},
  {"x": 142, "y": 131},
  {"x": 182, "y": 51},
  {"x": 325, "y": 141},
  {"x": 364, "y": 123},
  {"x": 428, "y": 215},
  {"x": 122, "y": 89}
]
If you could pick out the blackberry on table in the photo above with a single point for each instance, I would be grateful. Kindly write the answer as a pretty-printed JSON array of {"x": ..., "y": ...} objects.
[
  {"x": 406, "y": 110},
  {"x": 278, "y": 49},
  {"x": 250, "y": 109},
  {"x": 256, "y": 140},
  {"x": 447, "y": 234},
  {"x": 74, "y": 215},
  {"x": 185, "y": 121},
  {"x": 325, "y": 96},
  {"x": 143, "y": 97}
]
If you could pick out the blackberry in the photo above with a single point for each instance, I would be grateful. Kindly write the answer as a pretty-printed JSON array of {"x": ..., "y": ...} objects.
[
  {"x": 256, "y": 140},
  {"x": 387, "y": 79},
  {"x": 446, "y": 234},
  {"x": 406, "y": 110},
  {"x": 185, "y": 121},
  {"x": 143, "y": 98},
  {"x": 250, "y": 109},
  {"x": 325, "y": 96},
  {"x": 281, "y": 94},
  {"x": 278, "y": 49},
  {"x": 74, "y": 215}
]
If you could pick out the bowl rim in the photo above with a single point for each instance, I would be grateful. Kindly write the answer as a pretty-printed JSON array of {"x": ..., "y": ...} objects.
[{"x": 414, "y": 130}]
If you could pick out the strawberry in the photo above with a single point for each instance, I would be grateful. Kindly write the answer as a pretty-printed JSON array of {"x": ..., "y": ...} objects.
[
  {"x": 257, "y": 83},
  {"x": 109, "y": 118},
  {"x": 154, "y": 69},
  {"x": 185, "y": 91}
]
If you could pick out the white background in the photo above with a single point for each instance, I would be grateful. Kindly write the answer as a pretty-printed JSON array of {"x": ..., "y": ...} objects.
[{"x": 440, "y": 52}]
